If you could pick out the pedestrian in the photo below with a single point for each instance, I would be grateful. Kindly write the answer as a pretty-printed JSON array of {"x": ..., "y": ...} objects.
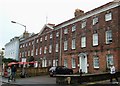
[
  {"x": 9, "y": 73},
  {"x": 113, "y": 73},
  {"x": 14, "y": 73}
]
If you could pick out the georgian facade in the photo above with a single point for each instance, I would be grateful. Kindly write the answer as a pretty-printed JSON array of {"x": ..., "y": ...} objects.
[
  {"x": 12, "y": 49},
  {"x": 89, "y": 41}
]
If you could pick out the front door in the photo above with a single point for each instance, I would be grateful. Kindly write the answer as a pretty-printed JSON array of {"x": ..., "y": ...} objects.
[{"x": 83, "y": 62}]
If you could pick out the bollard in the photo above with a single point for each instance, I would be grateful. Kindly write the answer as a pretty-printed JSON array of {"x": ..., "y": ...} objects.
[{"x": 69, "y": 80}]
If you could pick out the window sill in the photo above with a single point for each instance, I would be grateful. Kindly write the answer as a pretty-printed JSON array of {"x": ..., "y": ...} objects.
[{"x": 96, "y": 67}]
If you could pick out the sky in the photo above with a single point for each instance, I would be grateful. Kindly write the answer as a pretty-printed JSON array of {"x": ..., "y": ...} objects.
[{"x": 34, "y": 14}]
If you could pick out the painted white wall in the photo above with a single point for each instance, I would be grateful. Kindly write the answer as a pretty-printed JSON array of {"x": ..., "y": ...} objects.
[{"x": 12, "y": 49}]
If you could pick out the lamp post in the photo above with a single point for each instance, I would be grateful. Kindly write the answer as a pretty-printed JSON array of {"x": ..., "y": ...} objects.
[
  {"x": 23, "y": 60},
  {"x": 19, "y": 24}
]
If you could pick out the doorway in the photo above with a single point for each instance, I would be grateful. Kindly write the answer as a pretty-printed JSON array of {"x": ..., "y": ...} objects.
[{"x": 83, "y": 62}]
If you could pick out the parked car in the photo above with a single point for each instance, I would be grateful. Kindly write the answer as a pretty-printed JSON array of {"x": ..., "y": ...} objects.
[{"x": 59, "y": 70}]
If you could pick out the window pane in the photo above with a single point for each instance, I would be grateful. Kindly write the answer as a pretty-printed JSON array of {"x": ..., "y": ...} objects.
[
  {"x": 108, "y": 17},
  {"x": 96, "y": 62},
  {"x": 65, "y": 45},
  {"x": 57, "y": 34},
  {"x": 95, "y": 39},
  {"x": 50, "y": 48},
  {"x": 65, "y": 31},
  {"x": 83, "y": 42},
  {"x": 108, "y": 36},
  {"x": 45, "y": 50},
  {"x": 40, "y": 50},
  {"x": 109, "y": 60},
  {"x": 73, "y": 28},
  {"x": 65, "y": 63},
  {"x": 95, "y": 20},
  {"x": 73, "y": 43},
  {"x": 56, "y": 47},
  {"x": 73, "y": 63},
  {"x": 83, "y": 24}
]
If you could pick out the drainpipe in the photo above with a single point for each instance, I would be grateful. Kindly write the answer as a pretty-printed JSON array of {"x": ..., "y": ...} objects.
[{"x": 60, "y": 47}]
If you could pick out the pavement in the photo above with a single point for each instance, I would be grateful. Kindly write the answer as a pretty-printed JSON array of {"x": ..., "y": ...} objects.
[{"x": 42, "y": 80}]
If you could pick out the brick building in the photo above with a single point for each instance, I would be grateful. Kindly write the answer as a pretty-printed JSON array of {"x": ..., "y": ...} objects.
[{"x": 89, "y": 41}]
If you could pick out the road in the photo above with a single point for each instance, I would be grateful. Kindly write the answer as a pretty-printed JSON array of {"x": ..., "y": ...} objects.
[
  {"x": 50, "y": 81},
  {"x": 34, "y": 80}
]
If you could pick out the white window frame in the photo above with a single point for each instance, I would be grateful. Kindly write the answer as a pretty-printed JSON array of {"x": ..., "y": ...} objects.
[
  {"x": 22, "y": 54},
  {"x": 66, "y": 31},
  {"x": 23, "y": 45},
  {"x": 83, "y": 25},
  {"x": 56, "y": 50},
  {"x": 96, "y": 61},
  {"x": 108, "y": 36},
  {"x": 50, "y": 36},
  {"x": 41, "y": 39},
  {"x": 32, "y": 42},
  {"x": 57, "y": 34},
  {"x": 109, "y": 60},
  {"x": 95, "y": 20},
  {"x": 73, "y": 43},
  {"x": 108, "y": 16},
  {"x": 29, "y": 53},
  {"x": 32, "y": 52},
  {"x": 73, "y": 28},
  {"x": 45, "y": 37},
  {"x": 40, "y": 50},
  {"x": 83, "y": 41},
  {"x": 26, "y": 44},
  {"x": 37, "y": 40},
  {"x": 95, "y": 39},
  {"x": 45, "y": 49},
  {"x": 65, "y": 63},
  {"x": 50, "y": 48},
  {"x": 65, "y": 45},
  {"x": 25, "y": 53},
  {"x": 73, "y": 63},
  {"x": 29, "y": 43},
  {"x": 20, "y": 46}
]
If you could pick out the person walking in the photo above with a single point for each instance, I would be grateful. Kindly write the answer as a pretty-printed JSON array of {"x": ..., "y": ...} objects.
[
  {"x": 113, "y": 73},
  {"x": 14, "y": 72},
  {"x": 9, "y": 73}
]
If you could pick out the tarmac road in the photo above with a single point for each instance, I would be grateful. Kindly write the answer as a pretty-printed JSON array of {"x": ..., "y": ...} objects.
[{"x": 51, "y": 81}]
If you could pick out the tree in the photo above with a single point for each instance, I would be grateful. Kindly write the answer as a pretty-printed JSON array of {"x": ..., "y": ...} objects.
[{"x": 8, "y": 60}]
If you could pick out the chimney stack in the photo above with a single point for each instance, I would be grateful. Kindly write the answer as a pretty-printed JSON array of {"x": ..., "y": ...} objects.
[{"x": 78, "y": 12}]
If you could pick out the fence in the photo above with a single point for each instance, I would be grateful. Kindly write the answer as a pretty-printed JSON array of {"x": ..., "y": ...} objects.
[{"x": 33, "y": 71}]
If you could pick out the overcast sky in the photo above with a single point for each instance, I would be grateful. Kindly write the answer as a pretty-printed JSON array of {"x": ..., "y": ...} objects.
[{"x": 35, "y": 13}]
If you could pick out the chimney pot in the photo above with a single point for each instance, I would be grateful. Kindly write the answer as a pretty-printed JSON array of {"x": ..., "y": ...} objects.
[{"x": 78, "y": 12}]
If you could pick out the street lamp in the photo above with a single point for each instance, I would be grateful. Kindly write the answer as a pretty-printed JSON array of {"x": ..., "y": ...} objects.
[
  {"x": 19, "y": 24},
  {"x": 23, "y": 71}
]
